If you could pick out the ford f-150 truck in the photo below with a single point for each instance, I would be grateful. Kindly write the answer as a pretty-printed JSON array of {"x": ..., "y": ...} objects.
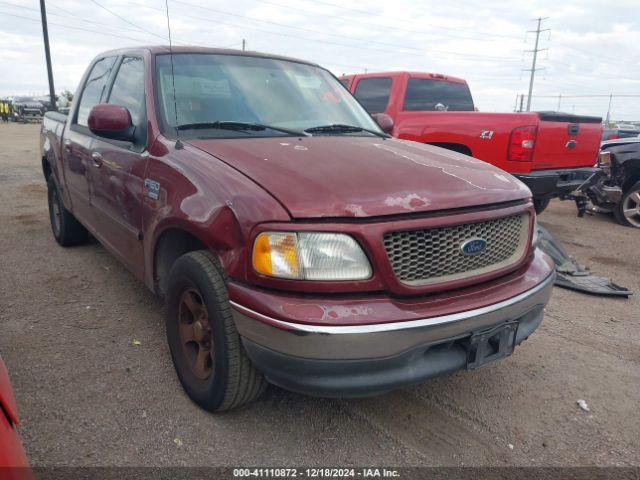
[
  {"x": 292, "y": 240},
  {"x": 552, "y": 153}
]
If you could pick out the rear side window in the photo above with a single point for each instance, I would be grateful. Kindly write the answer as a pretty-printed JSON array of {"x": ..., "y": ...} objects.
[
  {"x": 128, "y": 87},
  {"x": 94, "y": 88},
  {"x": 373, "y": 94},
  {"x": 424, "y": 94}
]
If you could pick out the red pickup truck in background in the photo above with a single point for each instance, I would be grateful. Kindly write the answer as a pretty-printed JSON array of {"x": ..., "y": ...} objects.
[{"x": 552, "y": 153}]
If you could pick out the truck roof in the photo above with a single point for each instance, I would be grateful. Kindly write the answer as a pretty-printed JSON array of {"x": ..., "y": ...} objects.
[
  {"x": 432, "y": 76},
  {"x": 164, "y": 49}
]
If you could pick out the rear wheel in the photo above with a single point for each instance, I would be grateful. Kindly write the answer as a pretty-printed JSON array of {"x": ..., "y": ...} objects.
[
  {"x": 205, "y": 346},
  {"x": 65, "y": 228},
  {"x": 627, "y": 212},
  {"x": 540, "y": 204}
]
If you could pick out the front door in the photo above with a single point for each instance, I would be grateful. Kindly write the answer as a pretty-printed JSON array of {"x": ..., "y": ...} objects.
[
  {"x": 78, "y": 139},
  {"x": 117, "y": 171}
]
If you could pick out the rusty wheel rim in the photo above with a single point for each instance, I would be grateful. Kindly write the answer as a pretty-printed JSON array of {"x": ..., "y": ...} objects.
[{"x": 195, "y": 333}]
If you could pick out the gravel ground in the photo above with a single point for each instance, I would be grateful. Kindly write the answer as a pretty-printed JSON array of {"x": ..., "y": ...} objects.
[{"x": 89, "y": 397}]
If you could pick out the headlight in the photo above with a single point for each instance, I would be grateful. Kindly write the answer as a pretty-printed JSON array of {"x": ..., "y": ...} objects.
[
  {"x": 536, "y": 235},
  {"x": 604, "y": 159},
  {"x": 310, "y": 256}
]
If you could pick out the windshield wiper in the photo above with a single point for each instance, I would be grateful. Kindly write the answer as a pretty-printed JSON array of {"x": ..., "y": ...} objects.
[
  {"x": 340, "y": 128},
  {"x": 237, "y": 126}
]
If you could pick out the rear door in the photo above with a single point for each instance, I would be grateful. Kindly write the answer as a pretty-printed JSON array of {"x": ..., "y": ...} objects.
[
  {"x": 566, "y": 141},
  {"x": 118, "y": 169},
  {"x": 78, "y": 138}
]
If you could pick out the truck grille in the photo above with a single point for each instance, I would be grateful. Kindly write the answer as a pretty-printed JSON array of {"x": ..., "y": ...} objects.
[{"x": 434, "y": 255}]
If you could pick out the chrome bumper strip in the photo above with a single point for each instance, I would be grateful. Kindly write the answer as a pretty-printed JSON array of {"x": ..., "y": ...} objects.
[
  {"x": 392, "y": 326},
  {"x": 383, "y": 339}
]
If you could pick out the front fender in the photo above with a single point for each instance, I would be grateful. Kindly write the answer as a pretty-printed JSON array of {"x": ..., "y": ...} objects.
[{"x": 206, "y": 198}]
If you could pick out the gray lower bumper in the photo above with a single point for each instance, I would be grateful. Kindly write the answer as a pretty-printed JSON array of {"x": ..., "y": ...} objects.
[{"x": 381, "y": 340}]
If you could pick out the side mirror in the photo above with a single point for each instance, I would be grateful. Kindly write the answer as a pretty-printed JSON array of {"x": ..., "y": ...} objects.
[
  {"x": 384, "y": 121},
  {"x": 111, "y": 121}
]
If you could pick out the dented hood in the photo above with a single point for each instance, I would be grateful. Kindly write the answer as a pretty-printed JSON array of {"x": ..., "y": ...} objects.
[{"x": 331, "y": 176}]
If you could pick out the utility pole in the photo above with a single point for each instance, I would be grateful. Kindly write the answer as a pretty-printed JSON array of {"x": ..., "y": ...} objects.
[
  {"x": 535, "y": 51},
  {"x": 47, "y": 53},
  {"x": 559, "y": 100},
  {"x": 244, "y": 44},
  {"x": 609, "y": 110},
  {"x": 521, "y": 102}
]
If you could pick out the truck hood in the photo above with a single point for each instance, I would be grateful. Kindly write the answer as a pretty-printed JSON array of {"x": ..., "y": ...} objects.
[
  {"x": 620, "y": 141},
  {"x": 363, "y": 176}
]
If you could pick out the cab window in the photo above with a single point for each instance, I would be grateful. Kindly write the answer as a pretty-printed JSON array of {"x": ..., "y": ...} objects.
[
  {"x": 373, "y": 93},
  {"x": 437, "y": 95},
  {"x": 128, "y": 88},
  {"x": 94, "y": 88}
]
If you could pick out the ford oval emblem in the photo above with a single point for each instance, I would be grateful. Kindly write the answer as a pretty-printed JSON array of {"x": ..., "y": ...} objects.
[{"x": 473, "y": 246}]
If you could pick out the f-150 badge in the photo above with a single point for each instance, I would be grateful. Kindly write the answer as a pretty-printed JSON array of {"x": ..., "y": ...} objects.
[
  {"x": 486, "y": 134},
  {"x": 152, "y": 187}
]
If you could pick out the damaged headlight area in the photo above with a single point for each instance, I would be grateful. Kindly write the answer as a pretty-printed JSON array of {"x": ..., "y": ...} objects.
[
  {"x": 604, "y": 161},
  {"x": 310, "y": 256}
]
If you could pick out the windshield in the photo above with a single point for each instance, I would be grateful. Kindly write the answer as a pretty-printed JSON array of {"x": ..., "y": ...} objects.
[{"x": 233, "y": 88}]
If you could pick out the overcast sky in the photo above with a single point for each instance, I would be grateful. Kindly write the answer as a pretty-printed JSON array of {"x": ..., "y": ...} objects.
[{"x": 593, "y": 46}]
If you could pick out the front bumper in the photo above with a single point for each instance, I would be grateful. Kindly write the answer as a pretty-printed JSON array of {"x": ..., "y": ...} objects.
[
  {"x": 555, "y": 183},
  {"x": 368, "y": 359}
]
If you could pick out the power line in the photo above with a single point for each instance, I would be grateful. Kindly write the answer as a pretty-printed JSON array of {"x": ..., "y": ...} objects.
[
  {"x": 322, "y": 41},
  {"x": 535, "y": 51},
  {"x": 109, "y": 26},
  {"x": 595, "y": 95},
  {"x": 127, "y": 21},
  {"x": 359, "y": 39},
  {"x": 482, "y": 36},
  {"x": 71, "y": 15},
  {"x": 74, "y": 28}
]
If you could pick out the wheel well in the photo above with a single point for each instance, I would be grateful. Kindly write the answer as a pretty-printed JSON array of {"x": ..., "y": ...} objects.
[
  {"x": 171, "y": 245},
  {"x": 46, "y": 168},
  {"x": 456, "y": 147},
  {"x": 633, "y": 177}
]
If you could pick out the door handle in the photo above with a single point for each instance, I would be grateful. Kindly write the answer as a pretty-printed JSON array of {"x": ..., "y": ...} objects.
[
  {"x": 97, "y": 159},
  {"x": 67, "y": 145}
]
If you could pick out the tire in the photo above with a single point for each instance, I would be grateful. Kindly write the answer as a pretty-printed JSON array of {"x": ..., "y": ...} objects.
[
  {"x": 540, "y": 204},
  {"x": 627, "y": 212},
  {"x": 206, "y": 349},
  {"x": 65, "y": 228}
]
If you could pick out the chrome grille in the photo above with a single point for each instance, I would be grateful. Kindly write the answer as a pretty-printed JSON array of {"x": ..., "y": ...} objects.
[{"x": 434, "y": 255}]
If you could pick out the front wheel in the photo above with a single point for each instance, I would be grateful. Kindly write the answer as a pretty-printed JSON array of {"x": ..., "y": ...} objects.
[
  {"x": 627, "y": 212},
  {"x": 206, "y": 349}
]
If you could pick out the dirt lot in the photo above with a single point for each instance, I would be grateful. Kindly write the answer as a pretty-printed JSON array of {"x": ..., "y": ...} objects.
[{"x": 88, "y": 396}]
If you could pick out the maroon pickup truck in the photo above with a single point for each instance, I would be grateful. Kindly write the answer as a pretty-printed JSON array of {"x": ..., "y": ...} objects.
[
  {"x": 552, "y": 153},
  {"x": 293, "y": 241}
]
